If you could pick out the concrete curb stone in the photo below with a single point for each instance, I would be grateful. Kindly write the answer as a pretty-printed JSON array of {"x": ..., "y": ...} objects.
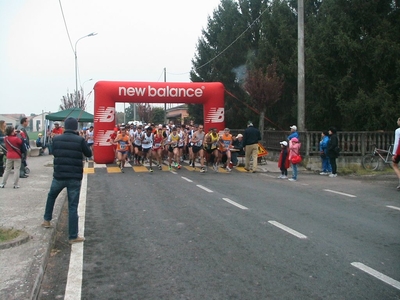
[{"x": 22, "y": 267}]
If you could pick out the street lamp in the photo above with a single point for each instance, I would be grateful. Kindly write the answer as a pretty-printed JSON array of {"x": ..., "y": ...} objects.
[
  {"x": 76, "y": 61},
  {"x": 83, "y": 84}
]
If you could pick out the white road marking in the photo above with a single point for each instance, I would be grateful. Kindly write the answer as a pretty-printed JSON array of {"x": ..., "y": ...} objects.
[
  {"x": 187, "y": 179},
  {"x": 73, "y": 289},
  {"x": 234, "y": 203},
  {"x": 97, "y": 166},
  {"x": 204, "y": 188},
  {"x": 267, "y": 175},
  {"x": 289, "y": 230},
  {"x": 377, "y": 274},
  {"x": 394, "y": 207},
  {"x": 340, "y": 193}
]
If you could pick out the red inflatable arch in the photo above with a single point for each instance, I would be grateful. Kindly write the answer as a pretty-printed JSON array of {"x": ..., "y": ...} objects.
[{"x": 107, "y": 93}]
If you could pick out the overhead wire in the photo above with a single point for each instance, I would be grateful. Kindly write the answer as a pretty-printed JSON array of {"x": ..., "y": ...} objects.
[
  {"x": 66, "y": 27},
  {"x": 230, "y": 45},
  {"x": 219, "y": 54},
  {"x": 73, "y": 51}
]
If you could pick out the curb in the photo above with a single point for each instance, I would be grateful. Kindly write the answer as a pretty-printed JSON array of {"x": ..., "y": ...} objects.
[
  {"x": 19, "y": 240},
  {"x": 38, "y": 267}
]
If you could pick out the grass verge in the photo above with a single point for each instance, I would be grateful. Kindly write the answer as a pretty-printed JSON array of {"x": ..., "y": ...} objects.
[{"x": 8, "y": 234}]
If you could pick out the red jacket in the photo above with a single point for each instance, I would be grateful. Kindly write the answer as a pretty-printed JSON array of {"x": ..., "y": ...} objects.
[
  {"x": 17, "y": 143},
  {"x": 284, "y": 156}
]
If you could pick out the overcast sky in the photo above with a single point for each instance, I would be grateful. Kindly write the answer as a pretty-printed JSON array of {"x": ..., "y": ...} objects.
[{"x": 136, "y": 40}]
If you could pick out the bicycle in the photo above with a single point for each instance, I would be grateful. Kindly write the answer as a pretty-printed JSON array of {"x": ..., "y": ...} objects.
[{"x": 372, "y": 161}]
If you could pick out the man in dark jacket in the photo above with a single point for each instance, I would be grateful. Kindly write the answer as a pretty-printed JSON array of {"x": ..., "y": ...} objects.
[
  {"x": 22, "y": 133},
  {"x": 332, "y": 150},
  {"x": 251, "y": 137},
  {"x": 68, "y": 172}
]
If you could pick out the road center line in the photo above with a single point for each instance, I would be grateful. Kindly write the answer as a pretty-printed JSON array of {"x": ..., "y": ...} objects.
[
  {"x": 234, "y": 203},
  {"x": 73, "y": 289},
  {"x": 204, "y": 188},
  {"x": 340, "y": 193},
  {"x": 377, "y": 274},
  {"x": 289, "y": 230},
  {"x": 187, "y": 179},
  {"x": 394, "y": 207}
]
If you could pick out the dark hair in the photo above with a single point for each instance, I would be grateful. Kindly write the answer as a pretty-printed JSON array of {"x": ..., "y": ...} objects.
[
  {"x": 23, "y": 120},
  {"x": 9, "y": 130},
  {"x": 333, "y": 129},
  {"x": 325, "y": 132}
]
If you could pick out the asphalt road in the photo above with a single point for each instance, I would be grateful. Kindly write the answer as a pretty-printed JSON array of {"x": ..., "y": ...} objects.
[{"x": 186, "y": 235}]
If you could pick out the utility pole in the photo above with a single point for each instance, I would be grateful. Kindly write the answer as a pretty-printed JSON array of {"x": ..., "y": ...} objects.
[
  {"x": 165, "y": 104},
  {"x": 300, "y": 68}
]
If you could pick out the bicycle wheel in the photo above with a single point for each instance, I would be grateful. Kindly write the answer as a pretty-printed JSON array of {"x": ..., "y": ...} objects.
[{"x": 370, "y": 162}]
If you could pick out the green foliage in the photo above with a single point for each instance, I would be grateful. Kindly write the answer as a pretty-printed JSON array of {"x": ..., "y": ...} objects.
[
  {"x": 158, "y": 115},
  {"x": 352, "y": 63}
]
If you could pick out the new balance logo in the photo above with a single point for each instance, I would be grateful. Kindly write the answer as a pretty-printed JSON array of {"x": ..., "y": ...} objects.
[
  {"x": 103, "y": 138},
  {"x": 105, "y": 114},
  {"x": 215, "y": 115}
]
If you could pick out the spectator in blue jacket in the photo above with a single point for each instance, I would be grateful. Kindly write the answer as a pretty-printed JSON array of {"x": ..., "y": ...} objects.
[
  {"x": 293, "y": 133},
  {"x": 323, "y": 145},
  {"x": 68, "y": 172}
]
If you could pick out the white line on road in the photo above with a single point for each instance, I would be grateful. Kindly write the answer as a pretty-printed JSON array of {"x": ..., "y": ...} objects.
[
  {"x": 234, "y": 203},
  {"x": 340, "y": 193},
  {"x": 98, "y": 166},
  {"x": 73, "y": 289},
  {"x": 204, "y": 188},
  {"x": 394, "y": 207},
  {"x": 287, "y": 229},
  {"x": 377, "y": 274},
  {"x": 187, "y": 179}
]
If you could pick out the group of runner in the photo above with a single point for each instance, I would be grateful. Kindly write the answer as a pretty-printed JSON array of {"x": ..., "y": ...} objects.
[{"x": 139, "y": 143}]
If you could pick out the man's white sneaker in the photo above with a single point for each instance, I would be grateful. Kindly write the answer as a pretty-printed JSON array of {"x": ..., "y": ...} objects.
[
  {"x": 280, "y": 176},
  {"x": 333, "y": 175},
  {"x": 323, "y": 173},
  {"x": 284, "y": 177},
  {"x": 292, "y": 179}
]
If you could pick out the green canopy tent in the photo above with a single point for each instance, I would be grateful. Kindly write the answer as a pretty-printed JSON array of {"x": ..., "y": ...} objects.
[{"x": 77, "y": 113}]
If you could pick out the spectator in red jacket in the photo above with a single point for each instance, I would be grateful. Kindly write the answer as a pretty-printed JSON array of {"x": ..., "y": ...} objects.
[
  {"x": 14, "y": 155},
  {"x": 284, "y": 162}
]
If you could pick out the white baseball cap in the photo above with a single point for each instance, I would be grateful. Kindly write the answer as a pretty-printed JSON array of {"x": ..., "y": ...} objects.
[
  {"x": 284, "y": 143},
  {"x": 293, "y": 127}
]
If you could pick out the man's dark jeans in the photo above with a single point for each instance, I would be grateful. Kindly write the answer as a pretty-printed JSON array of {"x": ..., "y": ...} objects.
[{"x": 73, "y": 190}]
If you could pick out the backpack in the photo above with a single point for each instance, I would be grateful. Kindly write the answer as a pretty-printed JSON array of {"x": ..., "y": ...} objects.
[{"x": 25, "y": 146}]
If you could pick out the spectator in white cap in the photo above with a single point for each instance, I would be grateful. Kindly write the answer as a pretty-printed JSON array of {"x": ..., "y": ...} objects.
[
  {"x": 293, "y": 133},
  {"x": 283, "y": 162}
]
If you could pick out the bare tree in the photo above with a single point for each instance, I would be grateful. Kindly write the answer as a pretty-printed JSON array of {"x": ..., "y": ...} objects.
[
  {"x": 264, "y": 89},
  {"x": 73, "y": 100}
]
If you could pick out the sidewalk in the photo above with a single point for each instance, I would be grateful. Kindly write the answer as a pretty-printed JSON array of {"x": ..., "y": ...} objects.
[{"x": 22, "y": 266}]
